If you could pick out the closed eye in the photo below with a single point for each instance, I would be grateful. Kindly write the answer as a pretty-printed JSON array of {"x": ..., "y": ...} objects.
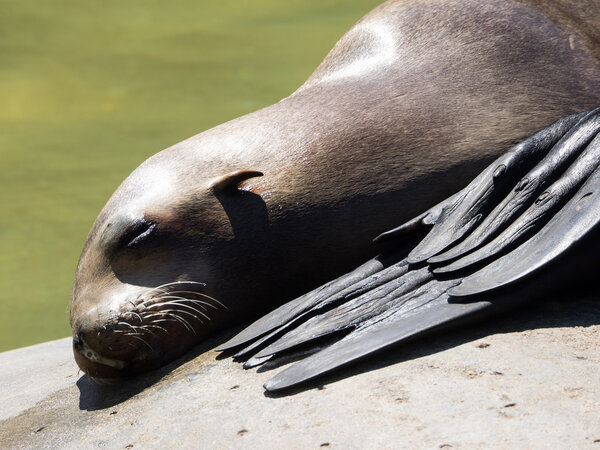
[
  {"x": 137, "y": 232},
  {"x": 142, "y": 235}
]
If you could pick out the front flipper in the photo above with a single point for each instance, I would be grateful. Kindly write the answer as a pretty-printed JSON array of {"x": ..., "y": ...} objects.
[{"x": 507, "y": 238}]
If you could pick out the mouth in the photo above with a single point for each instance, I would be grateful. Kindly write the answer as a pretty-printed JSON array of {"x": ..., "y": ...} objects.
[
  {"x": 81, "y": 347},
  {"x": 94, "y": 364}
]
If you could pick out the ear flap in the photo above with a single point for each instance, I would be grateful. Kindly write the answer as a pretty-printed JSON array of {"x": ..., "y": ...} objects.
[{"x": 231, "y": 180}]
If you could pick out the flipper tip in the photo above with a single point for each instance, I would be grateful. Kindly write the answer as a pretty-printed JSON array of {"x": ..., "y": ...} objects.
[
  {"x": 467, "y": 288},
  {"x": 229, "y": 345},
  {"x": 279, "y": 383},
  {"x": 406, "y": 228},
  {"x": 255, "y": 362}
]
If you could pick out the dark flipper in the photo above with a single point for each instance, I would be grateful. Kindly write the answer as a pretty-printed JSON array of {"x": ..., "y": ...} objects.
[
  {"x": 304, "y": 304},
  {"x": 522, "y": 218}
]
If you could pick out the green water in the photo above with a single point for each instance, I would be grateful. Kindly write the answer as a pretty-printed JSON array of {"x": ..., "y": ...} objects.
[{"x": 89, "y": 89}]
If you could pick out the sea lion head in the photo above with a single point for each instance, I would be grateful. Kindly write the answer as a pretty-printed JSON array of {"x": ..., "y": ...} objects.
[{"x": 146, "y": 287}]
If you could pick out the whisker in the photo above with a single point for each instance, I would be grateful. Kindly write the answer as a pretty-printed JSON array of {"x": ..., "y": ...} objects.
[
  {"x": 200, "y": 294},
  {"x": 174, "y": 296},
  {"x": 183, "y": 305},
  {"x": 144, "y": 329},
  {"x": 200, "y": 302},
  {"x": 122, "y": 331},
  {"x": 183, "y": 322},
  {"x": 157, "y": 314},
  {"x": 165, "y": 289},
  {"x": 156, "y": 300},
  {"x": 136, "y": 314},
  {"x": 144, "y": 341},
  {"x": 179, "y": 311},
  {"x": 168, "y": 312},
  {"x": 173, "y": 283},
  {"x": 133, "y": 327},
  {"x": 157, "y": 326},
  {"x": 163, "y": 320}
]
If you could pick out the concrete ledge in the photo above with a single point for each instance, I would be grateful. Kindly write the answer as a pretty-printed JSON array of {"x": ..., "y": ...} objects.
[{"x": 530, "y": 379}]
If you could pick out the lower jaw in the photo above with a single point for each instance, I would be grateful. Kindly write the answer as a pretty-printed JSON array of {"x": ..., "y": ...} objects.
[
  {"x": 97, "y": 369},
  {"x": 138, "y": 365},
  {"x": 137, "y": 362}
]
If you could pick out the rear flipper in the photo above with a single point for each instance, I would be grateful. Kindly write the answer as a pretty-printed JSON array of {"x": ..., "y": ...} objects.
[{"x": 510, "y": 236}]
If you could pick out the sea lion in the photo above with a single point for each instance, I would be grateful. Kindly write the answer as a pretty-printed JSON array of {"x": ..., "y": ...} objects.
[{"x": 412, "y": 101}]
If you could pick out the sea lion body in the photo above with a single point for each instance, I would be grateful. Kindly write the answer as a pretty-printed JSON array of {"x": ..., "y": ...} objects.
[{"x": 415, "y": 99}]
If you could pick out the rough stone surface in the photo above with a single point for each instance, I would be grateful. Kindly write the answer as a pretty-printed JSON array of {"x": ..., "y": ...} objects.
[{"x": 530, "y": 379}]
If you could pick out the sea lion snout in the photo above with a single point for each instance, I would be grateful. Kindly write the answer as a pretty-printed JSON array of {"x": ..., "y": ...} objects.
[
  {"x": 99, "y": 342},
  {"x": 129, "y": 329}
]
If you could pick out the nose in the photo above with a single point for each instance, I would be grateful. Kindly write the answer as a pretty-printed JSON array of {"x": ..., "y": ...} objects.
[{"x": 88, "y": 339}]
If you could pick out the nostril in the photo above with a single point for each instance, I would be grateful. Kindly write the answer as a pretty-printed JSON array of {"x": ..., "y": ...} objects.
[{"x": 78, "y": 342}]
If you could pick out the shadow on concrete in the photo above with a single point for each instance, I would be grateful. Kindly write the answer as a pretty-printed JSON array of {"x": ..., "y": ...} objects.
[
  {"x": 96, "y": 394},
  {"x": 577, "y": 310}
]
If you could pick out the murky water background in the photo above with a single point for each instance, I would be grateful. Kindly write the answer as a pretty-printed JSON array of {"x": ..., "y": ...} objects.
[{"x": 89, "y": 89}]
